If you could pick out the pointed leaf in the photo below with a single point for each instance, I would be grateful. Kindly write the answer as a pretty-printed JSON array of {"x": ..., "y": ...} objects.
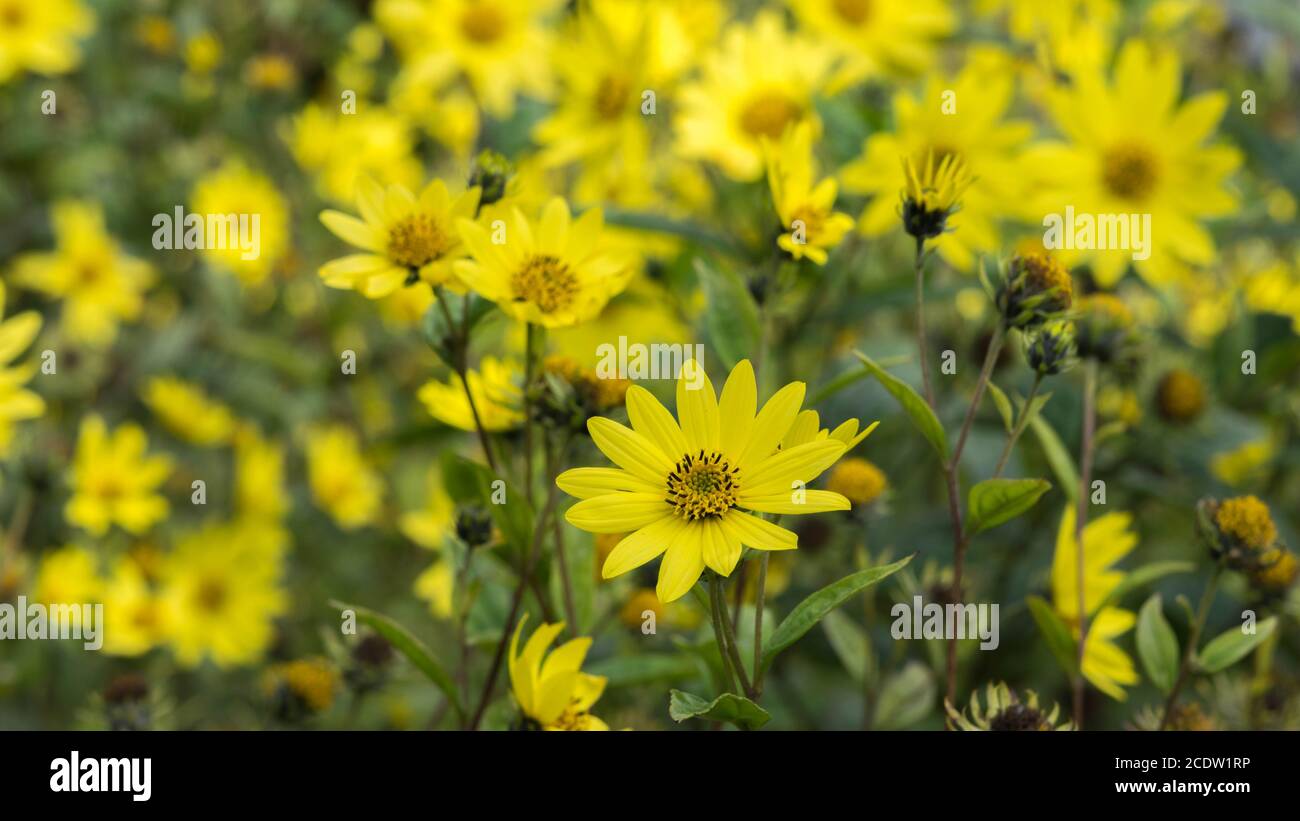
[
  {"x": 915, "y": 406},
  {"x": 1232, "y": 645},
  {"x": 1156, "y": 644},
  {"x": 997, "y": 501},
  {"x": 727, "y": 707}
]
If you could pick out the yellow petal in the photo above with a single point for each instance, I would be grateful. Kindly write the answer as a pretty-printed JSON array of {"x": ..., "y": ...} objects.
[
  {"x": 584, "y": 483},
  {"x": 682, "y": 565},
  {"x": 736, "y": 410},
  {"x": 758, "y": 533},
  {"x": 653, "y": 421},
  {"x": 697, "y": 407},
  {"x": 642, "y": 546},
  {"x": 617, "y": 512},
  {"x": 771, "y": 424},
  {"x": 629, "y": 450}
]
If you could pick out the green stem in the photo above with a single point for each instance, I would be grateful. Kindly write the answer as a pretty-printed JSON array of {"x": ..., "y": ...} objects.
[
  {"x": 990, "y": 359},
  {"x": 1193, "y": 637},
  {"x": 760, "y": 594},
  {"x": 715, "y": 607},
  {"x": 529, "y": 366},
  {"x": 1021, "y": 421},
  {"x": 733, "y": 650},
  {"x": 1080, "y": 520}
]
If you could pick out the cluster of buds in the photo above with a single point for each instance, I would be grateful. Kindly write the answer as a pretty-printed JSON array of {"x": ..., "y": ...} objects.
[
  {"x": 1036, "y": 289},
  {"x": 1105, "y": 330},
  {"x": 1240, "y": 533},
  {"x": 1053, "y": 348},
  {"x": 569, "y": 394}
]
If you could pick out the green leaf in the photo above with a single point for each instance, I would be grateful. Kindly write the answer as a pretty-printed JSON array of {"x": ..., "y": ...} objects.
[
  {"x": 1004, "y": 406},
  {"x": 1057, "y": 456},
  {"x": 1143, "y": 576},
  {"x": 905, "y": 698},
  {"x": 997, "y": 501},
  {"x": 727, "y": 707},
  {"x": 580, "y": 559},
  {"x": 916, "y": 407},
  {"x": 1059, "y": 639},
  {"x": 848, "y": 641},
  {"x": 647, "y": 668},
  {"x": 1232, "y": 645},
  {"x": 812, "y": 609},
  {"x": 732, "y": 316},
  {"x": 1156, "y": 644},
  {"x": 411, "y": 647}
]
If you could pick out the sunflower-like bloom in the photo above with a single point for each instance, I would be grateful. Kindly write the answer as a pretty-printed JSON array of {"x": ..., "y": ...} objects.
[
  {"x": 931, "y": 194},
  {"x": 113, "y": 481},
  {"x": 69, "y": 574},
  {"x": 1037, "y": 289},
  {"x": 682, "y": 489},
  {"x": 17, "y": 403},
  {"x": 40, "y": 37},
  {"x": 100, "y": 285},
  {"x": 342, "y": 482},
  {"x": 260, "y": 494},
  {"x": 1106, "y": 540},
  {"x": 858, "y": 480},
  {"x": 236, "y": 189},
  {"x": 497, "y": 394},
  {"x": 1004, "y": 711},
  {"x": 133, "y": 618},
  {"x": 407, "y": 239},
  {"x": 873, "y": 38},
  {"x": 1133, "y": 149},
  {"x": 341, "y": 149},
  {"x": 556, "y": 272},
  {"x": 552, "y": 690},
  {"x": 805, "y": 206},
  {"x": 757, "y": 84},
  {"x": 187, "y": 411}
]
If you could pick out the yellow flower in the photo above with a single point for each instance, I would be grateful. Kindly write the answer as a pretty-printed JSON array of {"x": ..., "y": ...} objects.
[
  {"x": 497, "y": 397},
  {"x": 552, "y": 691},
  {"x": 313, "y": 682},
  {"x": 188, "y": 412},
  {"x": 340, "y": 149},
  {"x": 406, "y": 238},
  {"x": 969, "y": 157},
  {"x": 872, "y": 38},
  {"x": 203, "y": 53},
  {"x": 429, "y": 525},
  {"x": 133, "y": 618},
  {"x": 1106, "y": 540},
  {"x": 807, "y": 428},
  {"x": 1247, "y": 519},
  {"x": 683, "y": 490},
  {"x": 1068, "y": 35},
  {"x": 554, "y": 272},
  {"x": 757, "y": 84},
  {"x": 113, "y": 481},
  {"x": 235, "y": 189},
  {"x": 259, "y": 477},
  {"x": 100, "y": 286},
  {"x": 69, "y": 575},
  {"x": 1133, "y": 149},
  {"x": 857, "y": 480},
  {"x": 1238, "y": 466},
  {"x": 342, "y": 482},
  {"x": 805, "y": 206},
  {"x": 437, "y": 585},
  {"x": 270, "y": 71},
  {"x": 40, "y": 36},
  {"x": 220, "y": 595},
  {"x": 499, "y": 45},
  {"x": 17, "y": 403}
]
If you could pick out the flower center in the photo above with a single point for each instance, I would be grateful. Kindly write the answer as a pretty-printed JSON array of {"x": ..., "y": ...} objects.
[
  {"x": 702, "y": 486},
  {"x": 812, "y": 220},
  {"x": 1018, "y": 717},
  {"x": 483, "y": 23},
  {"x": 768, "y": 113},
  {"x": 12, "y": 16},
  {"x": 612, "y": 96},
  {"x": 853, "y": 11},
  {"x": 416, "y": 241},
  {"x": 546, "y": 282},
  {"x": 211, "y": 595},
  {"x": 1129, "y": 172}
]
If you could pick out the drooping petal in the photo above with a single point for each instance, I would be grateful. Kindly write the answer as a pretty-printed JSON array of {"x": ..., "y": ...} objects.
[
  {"x": 617, "y": 512},
  {"x": 721, "y": 551},
  {"x": 584, "y": 483},
  {"x": 771, "y": 424},
  {"x": 758, "y": 533},
  {"x": 642, "y": 546}
]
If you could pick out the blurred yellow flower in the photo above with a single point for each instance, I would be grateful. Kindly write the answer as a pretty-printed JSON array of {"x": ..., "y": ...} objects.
[
  {"x": 407, "y": 239},
  {"x": 495, "y": 387},
  {"x": 41, "y": 36},
  {"x": 203, "y": 53},
  {"x": 804, "y": 204},
  {"x": 554, "y": 693},
  {"x": 1068, "y": 35},
  {"x": 187, "y": 411},
  {"x": 436, "y": 585},
  {"x": 69, "y": 575},
  {"x": 260, "y": 493},
  {"x": 274, "y": 72},
  {"x": 553, "y": 272},
  {"x": 1244, "y": 463},
  {"x": 235, "y": 189},
  {"x": 757, "y": 84},
  {"x": 114, "y": 481},
  {"x": 219, "y": 597},
  {"x": 857, "y": 480},
  {"x": 429, "y": 525},
  {"x": 1106, "y": 540},
  {"x": 873, "y": 38},
  {"x": 313, "y": 682},
  {"x": 959, "y": 119},
  {"x": 1132, "y": 148},
  {"x": 133, "y": 618},
  {"x": 17, "y": 403},
  {"x": 679, "y": 489},
  {"x": 99, "y": 284},
  {"x": 342, "y": 482},
  {"x": 340, "y": 149}
]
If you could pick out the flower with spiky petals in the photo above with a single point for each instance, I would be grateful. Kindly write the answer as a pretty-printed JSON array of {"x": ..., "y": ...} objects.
[
  {"x": 1004, "y": 711},
  {"x": 685, "y": 489},
  {"x": 552, "y": 691}
]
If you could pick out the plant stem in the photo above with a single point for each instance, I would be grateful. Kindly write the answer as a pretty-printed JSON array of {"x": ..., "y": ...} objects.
[
  {"x": 1080, "y": 520},
  {"x": 715, "y": 607},
  {"x": 919, "y": 266},
  {"x": 1193, "y": 637},
  {"x": 733, "y": 649},
  {"x": 990, "y": 359},
  {"x": 760, "y": 594},
  {"x": 528, "y": 412},
  {"x": 1019, "y": 427},
  {"x": 461, "y": 367},
  {"x": 570, "y": 609}
]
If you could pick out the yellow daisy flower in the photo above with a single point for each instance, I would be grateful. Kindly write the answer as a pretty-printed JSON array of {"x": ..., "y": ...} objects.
[
  {"x": 235, "y": 189},
  {"x": 340, "y": 149},
  {"x": 555, "y": 272},
  {"x": 99, "y": 284},
  {"x": 974, "y": 137},
  {"x": 805, "y": 205},
  {"x": 40, "y": 37},
  {"x": 69, "y": 575},
  {"x": 113, "y": 481},
  {"x": 874, "y": 38},
  {"x": 1134, "y": 149},
  {"x": 133, "y": 619},
  {"x": 495, "y": 387},
  {"x": 682, "y": 490},
  {"x": 342, "y": 482},
  {"x": 757, "y": 84},
  {"x": 552, "y": 690},
  {"x": 17, "y": 403},
  {"x": 1106, "y": 540},
  {"x": 407, "y": 238},
  {"x": 187, "y": 411}
]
